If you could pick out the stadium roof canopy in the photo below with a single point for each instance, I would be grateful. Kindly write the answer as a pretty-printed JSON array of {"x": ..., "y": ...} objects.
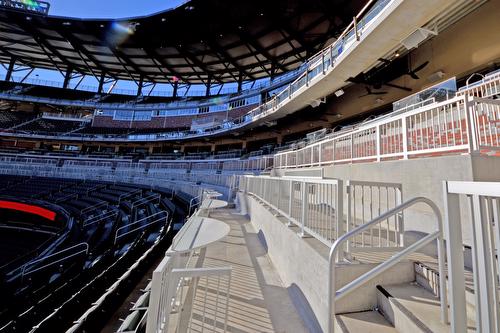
[{"x": 202, "y": 41}]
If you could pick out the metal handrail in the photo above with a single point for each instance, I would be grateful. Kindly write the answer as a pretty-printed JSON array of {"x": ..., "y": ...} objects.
[
  {"x": 99, "y": 218},
  {"x": 26, "y": 271},
  {"x": 191, "y": 205},
  {"x": 128, "y": 195},
  {"x": 335, "y": 295},
  {"x": 142, "y": 226},
  {"x": 97, "y": 205},
  {"x": 147, "y": 199}
]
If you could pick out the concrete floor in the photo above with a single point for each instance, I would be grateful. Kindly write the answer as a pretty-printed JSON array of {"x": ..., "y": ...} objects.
[{"x": 258, "y": 301}]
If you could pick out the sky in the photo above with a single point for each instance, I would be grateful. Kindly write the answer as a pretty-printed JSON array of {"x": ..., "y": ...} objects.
[{"x": 109, "y": 8}]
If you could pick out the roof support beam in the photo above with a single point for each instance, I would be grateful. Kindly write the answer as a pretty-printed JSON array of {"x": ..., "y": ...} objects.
[
  {"x": 224, "y": 56},
  {"x": 10, "y": 69},
  {"x": 45, "y": 45},
  {"x": 161, "y": 64},
  {"x": 254, "y": 44},
  {"x": 195, "y": 61}
]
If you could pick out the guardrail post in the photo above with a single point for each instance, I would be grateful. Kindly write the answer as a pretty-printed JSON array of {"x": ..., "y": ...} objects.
[
  {"x": 377, "y": 133},
  {"x": 339, "y": 207},
  {"x": 349, "y": 216},
  {"x": 482, "y": 268},
  {"x": 405, "y": 138},
  {"x": 331, "y": 56},
  {"x": 355, "y": 21},
  {"x": 320, "y": 157},
  {"x": 305, "y": 207},
  {"x": 470, "y": 114},
  {"x": 352, "y": 147},
  {"x": 323, "y": 62},
  {"x": 154, "y": 302},
  {"x": 455, "y": 256},
  {"x": 400, "y": 216},
  {"x": 290, "y": 203}
]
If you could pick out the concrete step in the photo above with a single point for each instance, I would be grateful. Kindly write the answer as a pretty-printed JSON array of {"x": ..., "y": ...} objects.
[
  {"x": 412, "y": 308},
  {"x": 427, "y": 275},
  {"x": 365, "y": 322}
]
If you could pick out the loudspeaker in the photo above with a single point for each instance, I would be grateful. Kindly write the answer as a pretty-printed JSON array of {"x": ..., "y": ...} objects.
[{"x": 417, "y": 37}]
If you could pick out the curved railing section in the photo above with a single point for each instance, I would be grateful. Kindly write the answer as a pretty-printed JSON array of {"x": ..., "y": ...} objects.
[{"x": 318, "y": 66}]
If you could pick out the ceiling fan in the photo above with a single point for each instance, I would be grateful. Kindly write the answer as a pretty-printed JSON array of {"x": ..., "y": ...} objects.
[{"x": 369, "y": 92}]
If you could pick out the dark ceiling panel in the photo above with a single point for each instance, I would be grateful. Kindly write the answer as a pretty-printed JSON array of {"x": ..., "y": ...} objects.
[{"x": 201, "y": 39}]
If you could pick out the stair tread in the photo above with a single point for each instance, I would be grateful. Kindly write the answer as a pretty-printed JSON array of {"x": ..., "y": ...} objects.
[
  {"x": 366, "y": 322},
  {"x": 422, "y": 304}
]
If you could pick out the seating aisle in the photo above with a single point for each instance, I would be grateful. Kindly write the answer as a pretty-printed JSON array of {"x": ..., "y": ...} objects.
[{"x": 258, "y": 300}]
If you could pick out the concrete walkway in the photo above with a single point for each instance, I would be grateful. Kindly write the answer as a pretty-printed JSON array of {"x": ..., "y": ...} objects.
[{"x": 258, "y": 301}]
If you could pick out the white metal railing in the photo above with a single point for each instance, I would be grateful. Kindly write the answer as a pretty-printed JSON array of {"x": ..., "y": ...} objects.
[
  {"x": 153, "y": 197},
  {"x": 336, "y": 256},
  {"x": 128, "y": 195},
  {"x": 67, "y": 116},
  {"x": 154, "y": 166},
  {"x": 94, "y": 206},
  {"x": 54, "y": 258},
  {"x": 483, "y": 220},
  {"x": 178, "y": 285},
  {"x": 99, "y": 218},
  {"x": 486, "y": 119},
  {"x": 461, "y": 124},
  {"x": 489, "y": 86},
  {"x": 313, "y": 205},
  {"x": 367, "y": 200},
  {"x": 141, "y": 224}
]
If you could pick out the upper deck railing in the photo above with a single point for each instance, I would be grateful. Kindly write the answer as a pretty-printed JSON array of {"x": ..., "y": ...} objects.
[{"x": 461, "y": 124}]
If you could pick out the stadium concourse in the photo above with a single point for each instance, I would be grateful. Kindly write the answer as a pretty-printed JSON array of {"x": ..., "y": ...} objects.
[{"x": 271, "y": 166}]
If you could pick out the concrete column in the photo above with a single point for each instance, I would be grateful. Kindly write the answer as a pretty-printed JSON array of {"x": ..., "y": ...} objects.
[
  {"x": 67, "y": 77},
  {"x": 273, "y": 71},
  {"x": 176, "y": 87},
  {"x": 139, "y": 87},
  {"x": 101, "y": 83},
  {"x": 240, "y": 81},
  {"x": 209, "y": 84}
]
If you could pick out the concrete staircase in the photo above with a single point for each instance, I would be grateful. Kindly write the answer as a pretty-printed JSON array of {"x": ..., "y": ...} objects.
[{"x": 405, "y": 307}]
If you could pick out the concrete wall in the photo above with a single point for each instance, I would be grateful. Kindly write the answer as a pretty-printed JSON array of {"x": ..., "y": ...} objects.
[{"x": 302, "y": 264}]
